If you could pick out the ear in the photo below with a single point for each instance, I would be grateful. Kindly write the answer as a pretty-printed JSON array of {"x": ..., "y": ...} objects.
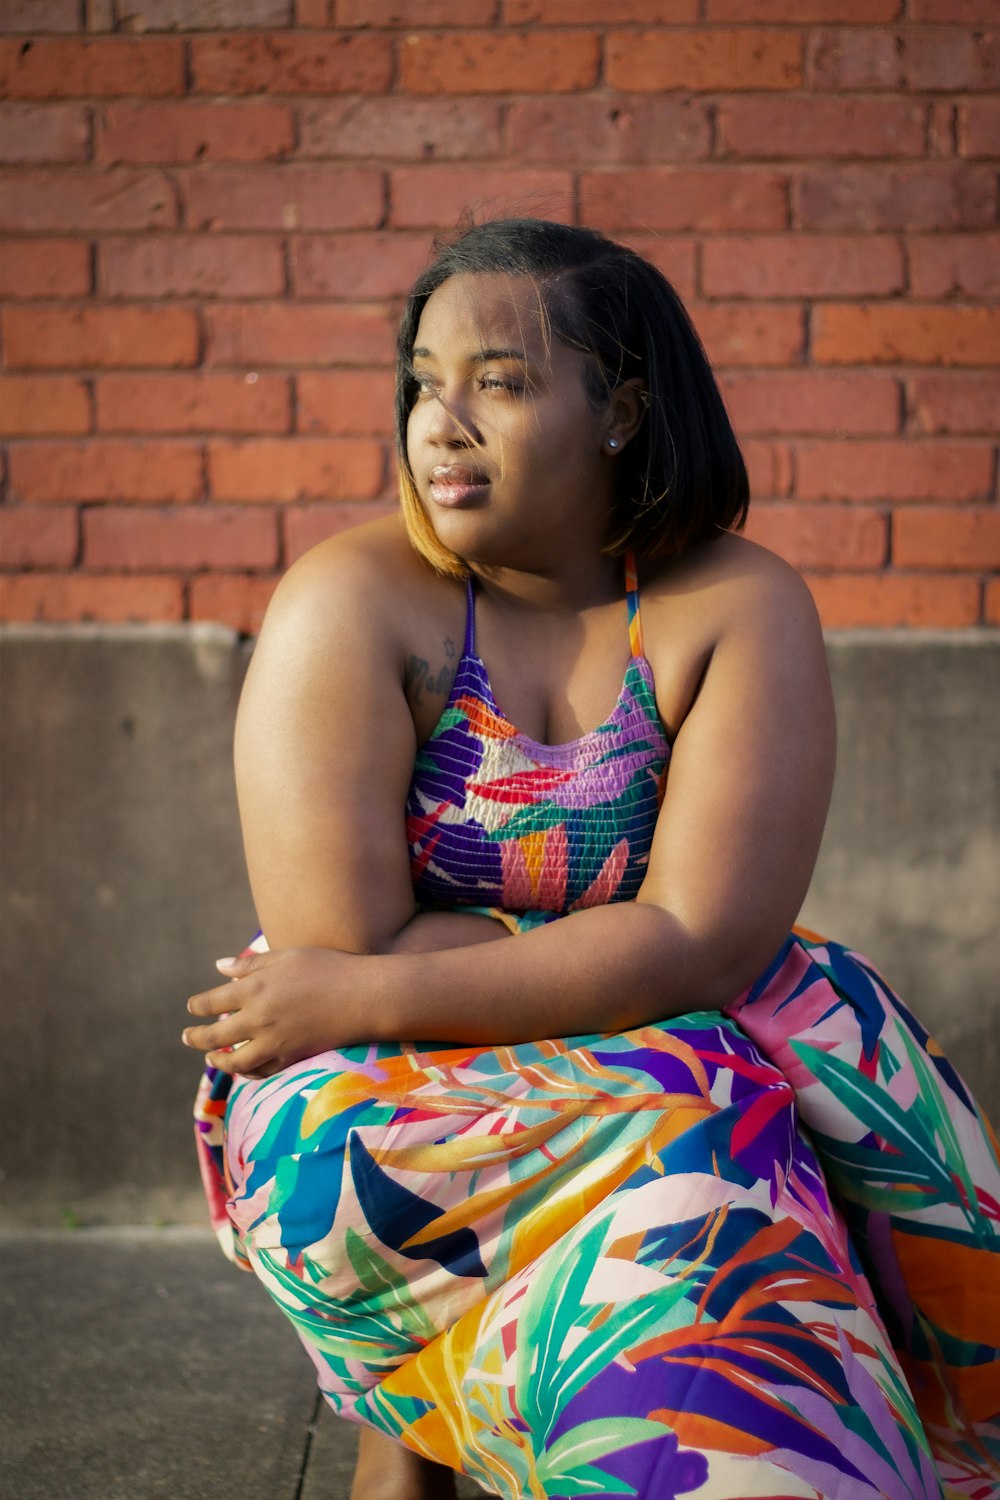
[{"x": 626, "y": 409}]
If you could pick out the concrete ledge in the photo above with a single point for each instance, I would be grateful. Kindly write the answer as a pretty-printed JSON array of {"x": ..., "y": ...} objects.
[
  {"x": 122, "y": 879},
  {"x": 909, "y": 872}
]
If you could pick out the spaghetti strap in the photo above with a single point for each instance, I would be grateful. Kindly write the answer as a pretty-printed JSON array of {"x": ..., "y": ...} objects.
[
  {"x": 632, "y": 598},
  {"x": 469, "y": 648}
]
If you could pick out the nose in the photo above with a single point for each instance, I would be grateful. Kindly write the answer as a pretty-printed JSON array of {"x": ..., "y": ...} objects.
[{"x": 450, "y": 423}]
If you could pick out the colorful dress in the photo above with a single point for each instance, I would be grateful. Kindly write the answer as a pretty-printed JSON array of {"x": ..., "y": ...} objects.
[{"x": 754, "y": 1253}]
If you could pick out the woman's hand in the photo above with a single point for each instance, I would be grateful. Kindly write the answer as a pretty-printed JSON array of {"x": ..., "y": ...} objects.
[{"x": 284, "y": 1006}]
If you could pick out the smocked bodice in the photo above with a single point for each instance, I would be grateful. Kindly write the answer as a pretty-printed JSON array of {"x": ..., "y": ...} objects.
[{"x": 495, "y": 818}]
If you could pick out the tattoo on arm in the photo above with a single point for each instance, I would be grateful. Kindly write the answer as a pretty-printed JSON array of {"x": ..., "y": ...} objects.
[{"x": 419, "y": 680}]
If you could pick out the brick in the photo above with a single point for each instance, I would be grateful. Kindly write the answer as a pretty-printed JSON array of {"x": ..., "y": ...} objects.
[
  {"x": 238, "y": 600},
  {"x": 342, "y": 403},
  {"x": 315, "y": 12},
  {"x": 50, "y": 198},
  {"x": 685, "y": 198},
  {"x": 601, "y": 12},
  {"x": 675, "y": 257},
  {"x": 905, "y": 335},
  {"x": 955, "y": 264},
  {"x": 189, "y": 132},
  {"x": 99, "y": 337},
  {"x": 959, "y": 401},
  {"x": 44, "y": 133},
  {"x": 31, "y": 538},
  {"x": 978, "y": 127},
  {"x": 904, "y": 469},
  {"x": 496, "y": 62},
  {"x": 307, "y": 334},
  {"x": 400, "y": 128},
  {"x": 619, "y": 128},
  {"x": 44, "y": 268},
  {"x": 276, "y": 469},
  {"x": 805, "y": 12},
  {"x": 105, "y": 469},
  {"x": 188, "y": 265},
  {"x": 812, "y": 401},
  {"x": 883, "y": 600},
  {"x": 794, "y": 265},
  {"x": 765, "y": 334},
  {"x": 31, "y": 405},
  {"x": 435, "y": 197},
  {"x": 703, "y": 60},
  {"x": 830, "y": 537},
  {"x": 290, "y": 198},
  {"x": 415, "y": 13},
  {"x": 74, "y": 597},
  {"x": 769, "y": 467},
  {"x": 950, "y": 60},
  {"x": 287, "y": 63},
  {"x": 100, "y": 15},
  {"x": 206, "y": 15},
  {"x": 945, "y": 538},
  {"x": 193, "y": 403},
  {"x": 308, "y": 525},
  {"x": 991, "y": 602},
  {"x": 936, "y": 196},
  {"x": 955, "y": 12},
  {"x": 813, "y": 125},
  {"x": 942, "y": 129},
  {"x": 39, "y": 15},
  {"x": 844, "y": 59},
  {"x": 358, "y": 265},
  {"x": 165, "y": 538},
  {"x": 102, "y": 68}
]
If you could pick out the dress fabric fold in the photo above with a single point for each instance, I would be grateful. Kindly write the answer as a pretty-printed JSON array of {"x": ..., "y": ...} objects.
[{"x": 750, "y": 1254}]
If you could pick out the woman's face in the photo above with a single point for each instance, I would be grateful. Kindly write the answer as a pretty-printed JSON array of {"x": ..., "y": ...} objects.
[{"x": 506, "y": 449}]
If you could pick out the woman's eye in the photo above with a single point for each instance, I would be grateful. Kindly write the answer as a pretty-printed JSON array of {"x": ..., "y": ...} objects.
[{"x": 499, "y": 383}]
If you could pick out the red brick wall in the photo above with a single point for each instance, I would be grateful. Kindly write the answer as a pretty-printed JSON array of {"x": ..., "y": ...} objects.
[{"x": 211, "y": 209}]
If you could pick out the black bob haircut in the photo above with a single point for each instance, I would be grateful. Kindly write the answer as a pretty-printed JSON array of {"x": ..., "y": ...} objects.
[{"x": 681, "y": 478}]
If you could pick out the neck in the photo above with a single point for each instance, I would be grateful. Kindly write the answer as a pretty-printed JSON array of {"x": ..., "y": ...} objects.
[{"x": 568, "y": 588}]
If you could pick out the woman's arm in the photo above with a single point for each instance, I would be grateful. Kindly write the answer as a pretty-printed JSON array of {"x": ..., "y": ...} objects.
[{"x": 734, "y": 849}]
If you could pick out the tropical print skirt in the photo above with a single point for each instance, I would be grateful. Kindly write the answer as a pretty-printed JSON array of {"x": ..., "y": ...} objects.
[{"x": 747, "y": 1254}]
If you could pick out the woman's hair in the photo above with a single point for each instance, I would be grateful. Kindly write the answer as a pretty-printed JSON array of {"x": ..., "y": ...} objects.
[{"x": 681, "y": 477}]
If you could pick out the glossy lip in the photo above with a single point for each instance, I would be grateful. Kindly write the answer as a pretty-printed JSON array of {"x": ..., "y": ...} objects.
[{"x": 453, "y": 485}]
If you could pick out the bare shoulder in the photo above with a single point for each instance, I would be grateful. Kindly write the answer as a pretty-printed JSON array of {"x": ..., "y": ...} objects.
[
  {"x": 731, "y": 598},
  {"x": 726, "y": 577},
  {"x": 355, "y": 565},
  {"x": 366, "y": 581},
  {"x": 730, "y": 587}
]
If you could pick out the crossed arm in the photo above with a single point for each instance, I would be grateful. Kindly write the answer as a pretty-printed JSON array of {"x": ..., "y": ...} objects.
[{"x": 324, "y": 753}]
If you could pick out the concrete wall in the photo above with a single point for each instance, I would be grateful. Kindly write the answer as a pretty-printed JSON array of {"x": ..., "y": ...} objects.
[{"x": 122, "y": 880}]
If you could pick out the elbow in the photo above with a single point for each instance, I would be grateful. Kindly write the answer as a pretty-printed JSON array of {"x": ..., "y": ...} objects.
[{"x": 694, "y": 966}]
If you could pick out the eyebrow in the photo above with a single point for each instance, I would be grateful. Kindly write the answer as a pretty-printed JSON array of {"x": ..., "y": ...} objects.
[{"x": 481, "y": 356}]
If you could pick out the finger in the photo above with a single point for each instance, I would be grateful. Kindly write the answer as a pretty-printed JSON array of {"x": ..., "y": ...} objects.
[
  {"x": 244, "y": 963},
  {"x": 212, "y": 1002},
  {"x": 250, "y": 1061},
  {"x": 227, "y": 1033}
]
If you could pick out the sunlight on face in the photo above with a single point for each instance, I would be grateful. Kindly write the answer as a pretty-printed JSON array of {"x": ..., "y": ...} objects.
[{"x": 502, "y": 439}]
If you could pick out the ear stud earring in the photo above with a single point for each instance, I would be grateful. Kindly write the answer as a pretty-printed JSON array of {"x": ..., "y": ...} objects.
[{"x": 612, "y": 442}]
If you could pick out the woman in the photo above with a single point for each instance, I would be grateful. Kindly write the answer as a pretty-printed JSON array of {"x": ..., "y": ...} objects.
[{"x": 608, "y": 1263}]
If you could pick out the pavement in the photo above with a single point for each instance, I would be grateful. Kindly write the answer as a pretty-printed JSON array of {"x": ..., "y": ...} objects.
[{"x": 138, "y": 1364}]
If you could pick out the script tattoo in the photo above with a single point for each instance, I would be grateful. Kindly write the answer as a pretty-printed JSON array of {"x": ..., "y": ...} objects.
[{"x": 420, "y": 680}]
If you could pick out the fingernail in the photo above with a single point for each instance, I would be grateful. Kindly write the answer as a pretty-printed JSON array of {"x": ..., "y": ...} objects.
[
  {"x": 224, "y": 963},
  {"x": 184, "y": 1039}
]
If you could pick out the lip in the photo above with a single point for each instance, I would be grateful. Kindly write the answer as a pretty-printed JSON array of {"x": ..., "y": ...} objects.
[{"x": 454, "y": 485}]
